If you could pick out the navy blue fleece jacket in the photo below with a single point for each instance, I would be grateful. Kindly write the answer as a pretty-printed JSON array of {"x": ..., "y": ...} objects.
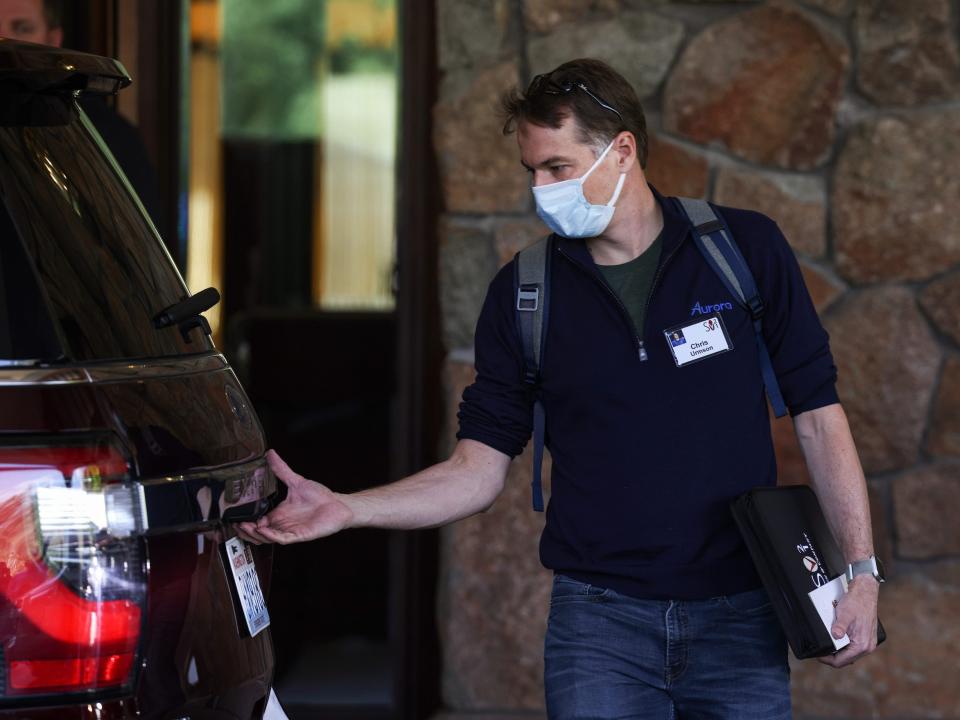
[{"x": 647, "y": 455}]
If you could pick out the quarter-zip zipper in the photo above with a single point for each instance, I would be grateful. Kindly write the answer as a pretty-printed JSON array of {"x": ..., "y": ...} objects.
[
  {"x": 653, "y": 285},
  {"x": 623, "y": 308},
  {"x": 624, "y": 313}
]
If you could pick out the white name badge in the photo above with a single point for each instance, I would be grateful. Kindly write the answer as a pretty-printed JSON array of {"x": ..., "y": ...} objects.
[{"x": 701, "y": 339}]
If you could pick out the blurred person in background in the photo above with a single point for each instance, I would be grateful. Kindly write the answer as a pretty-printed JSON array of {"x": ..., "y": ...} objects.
[{"x": 41, "y": 21}]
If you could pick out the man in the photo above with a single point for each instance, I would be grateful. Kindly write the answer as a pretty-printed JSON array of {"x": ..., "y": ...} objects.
[
  {"x": 33, "y": 21},
  {"x": 41, "y": 21},
  {"x": 656, "y": 609}
]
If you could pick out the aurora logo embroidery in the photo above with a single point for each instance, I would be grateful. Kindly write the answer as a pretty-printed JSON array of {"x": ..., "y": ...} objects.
[{"x": 699, "y": 309}]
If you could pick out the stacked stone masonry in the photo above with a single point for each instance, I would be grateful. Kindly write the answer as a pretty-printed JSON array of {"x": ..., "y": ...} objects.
[{"x": 841, "y": 120}]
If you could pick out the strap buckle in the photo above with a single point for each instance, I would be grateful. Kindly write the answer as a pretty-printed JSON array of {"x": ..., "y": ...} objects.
[
  {"x": 528, "y": 298},
  {"x": 756, "y": 307},
  {"x": 709, "y": 227}
]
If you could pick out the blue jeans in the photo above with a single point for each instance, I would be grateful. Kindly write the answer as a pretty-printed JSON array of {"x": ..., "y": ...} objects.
[{"x": 609, "y": 656}]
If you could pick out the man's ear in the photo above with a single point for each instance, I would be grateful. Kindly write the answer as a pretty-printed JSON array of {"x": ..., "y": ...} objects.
[
  {"x": 55, "y": 37},
  {"x": 625, "y": 147}
]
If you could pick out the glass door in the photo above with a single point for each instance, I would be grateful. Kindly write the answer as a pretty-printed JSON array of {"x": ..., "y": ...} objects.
[{"x": 291, "y": 211}]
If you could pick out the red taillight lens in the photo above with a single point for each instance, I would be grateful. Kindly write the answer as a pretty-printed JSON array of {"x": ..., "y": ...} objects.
[
  {"x": 72, "y": 584},
  {"x": 62, "y": 675}
]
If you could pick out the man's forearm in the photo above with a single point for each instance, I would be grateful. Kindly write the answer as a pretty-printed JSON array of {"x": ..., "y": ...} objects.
[
  {"x": 837, "y": 478},
  {"x": 463, "y": 485}
]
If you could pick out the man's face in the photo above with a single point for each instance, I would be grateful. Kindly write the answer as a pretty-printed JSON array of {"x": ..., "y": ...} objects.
[
  {"x": 554, "y": 154},
  {"x": 24, "y": 20}
]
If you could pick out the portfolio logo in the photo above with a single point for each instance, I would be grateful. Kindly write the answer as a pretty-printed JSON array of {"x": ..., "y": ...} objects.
[{"x": 811, "y": 562}]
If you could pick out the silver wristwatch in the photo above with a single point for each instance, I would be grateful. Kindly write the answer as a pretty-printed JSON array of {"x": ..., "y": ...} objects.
[{"x": 870, "y": 566}]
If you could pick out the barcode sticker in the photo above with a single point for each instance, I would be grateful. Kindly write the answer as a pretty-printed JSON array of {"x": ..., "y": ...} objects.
[{"x": 247, "y": 584}]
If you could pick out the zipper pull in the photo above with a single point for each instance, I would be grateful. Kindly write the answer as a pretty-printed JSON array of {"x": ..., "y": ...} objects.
[{"x": 643, "y": 352}]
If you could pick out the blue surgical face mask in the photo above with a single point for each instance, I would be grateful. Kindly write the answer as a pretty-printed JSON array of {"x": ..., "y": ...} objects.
[{"x": 565, "y": 210}]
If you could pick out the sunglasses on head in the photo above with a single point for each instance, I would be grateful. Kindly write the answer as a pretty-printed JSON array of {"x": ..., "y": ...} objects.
[{"x": 552, "y": 87}]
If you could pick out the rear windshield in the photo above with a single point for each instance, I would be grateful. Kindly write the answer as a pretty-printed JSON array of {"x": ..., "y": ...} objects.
[{"x": 73, "y": 238}]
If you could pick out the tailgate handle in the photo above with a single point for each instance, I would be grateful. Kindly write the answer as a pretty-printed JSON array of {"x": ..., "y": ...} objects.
[{"x": 202, "y": 499}]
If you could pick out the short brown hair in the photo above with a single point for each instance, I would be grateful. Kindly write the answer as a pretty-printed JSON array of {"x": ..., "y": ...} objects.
[
  {"x": 599, "y": 98},
  {"x": 53, "y": 13}
]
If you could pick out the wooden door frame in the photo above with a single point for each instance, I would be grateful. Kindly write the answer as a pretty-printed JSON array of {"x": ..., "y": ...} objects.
[
  {"x": 416, "y": 436},
  {"x": 159, "y": 102}
]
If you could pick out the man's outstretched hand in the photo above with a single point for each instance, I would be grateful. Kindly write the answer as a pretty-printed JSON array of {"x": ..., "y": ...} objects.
[{"x": 310, "y": 511}]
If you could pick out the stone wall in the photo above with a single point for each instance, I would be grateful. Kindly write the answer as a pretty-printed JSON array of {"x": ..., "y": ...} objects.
[{"x": 840, "y": 119}]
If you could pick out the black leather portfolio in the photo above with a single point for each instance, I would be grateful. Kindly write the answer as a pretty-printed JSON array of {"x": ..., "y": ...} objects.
[{"x": 794, "y": 553}]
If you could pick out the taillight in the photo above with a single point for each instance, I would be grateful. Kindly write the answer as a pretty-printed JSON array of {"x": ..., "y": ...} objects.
[{"x": 72, "y": 578}]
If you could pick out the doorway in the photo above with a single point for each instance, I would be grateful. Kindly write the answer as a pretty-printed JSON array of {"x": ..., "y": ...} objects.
[
  {"x": 257, "y": 118},
  {"x": 306, "y": 121}
]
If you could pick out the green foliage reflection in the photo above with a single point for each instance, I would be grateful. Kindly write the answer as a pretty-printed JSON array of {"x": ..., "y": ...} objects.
[{"x": 276, "y": 53}]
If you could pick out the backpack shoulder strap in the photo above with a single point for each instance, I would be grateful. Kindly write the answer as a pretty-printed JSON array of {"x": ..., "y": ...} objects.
[
  {"x": 532, "y": 282},
  {"x": 715, "y": 241}
]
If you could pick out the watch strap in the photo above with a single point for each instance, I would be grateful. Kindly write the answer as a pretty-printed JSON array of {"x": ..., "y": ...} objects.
[{"x": 869, "y": 566}]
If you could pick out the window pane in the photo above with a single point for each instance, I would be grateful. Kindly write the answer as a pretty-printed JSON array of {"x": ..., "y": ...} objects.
[
  {"x": 272, "y": 52},
  {"x": 26, "y": 332},
  {"x": 323, "y": 73},
  {"x": 102, "y": 268},
  {"x": 357, "y": 190}
]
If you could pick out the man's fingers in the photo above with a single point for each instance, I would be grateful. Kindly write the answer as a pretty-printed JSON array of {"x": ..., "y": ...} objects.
[
  {"x": 842, "y": 658},
  {"x": 248, "y": 531},
  {"x": 275, "y": 536},
  {"x": 261, "y": 532},
  {"x": 857, "y": 648},
  {"x": 864, "y": 637},
  {"x": 281, "y": 469},
  {"x": 846, "y": 656},
  {"x": 842, "y": 620},
  {"x": 844, "y": 623}
]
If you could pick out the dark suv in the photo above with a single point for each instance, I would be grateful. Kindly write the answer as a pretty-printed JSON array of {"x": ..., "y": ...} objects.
[{"x": 126, "y": 443}]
